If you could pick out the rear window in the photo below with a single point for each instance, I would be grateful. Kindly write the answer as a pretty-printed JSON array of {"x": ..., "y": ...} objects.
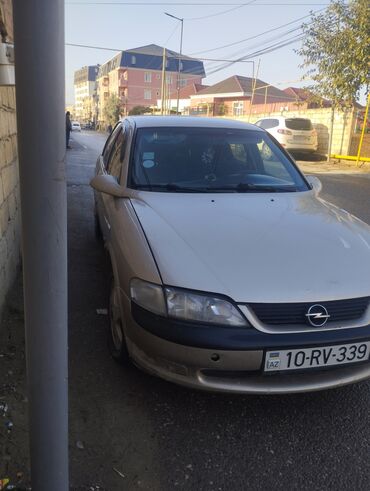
[
  {"x": 268, "y": 123},
  {"x": 298, "y": 124}
]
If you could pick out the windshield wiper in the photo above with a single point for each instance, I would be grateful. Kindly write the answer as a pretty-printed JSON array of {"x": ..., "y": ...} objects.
[
  {"x": 170, "y": 187},
  {"x": 265, "y": 187},
  {"x": 244, "y": 187}
]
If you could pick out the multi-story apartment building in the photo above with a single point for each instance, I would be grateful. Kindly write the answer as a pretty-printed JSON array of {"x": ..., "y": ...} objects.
[
  {"x": 135, "y": 76},
  {"x": 85, "y": 93}
]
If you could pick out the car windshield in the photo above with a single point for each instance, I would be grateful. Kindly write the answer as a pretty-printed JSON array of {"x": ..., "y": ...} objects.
[
  {"x": 298, "y": 124},
  {"x": 210, "y": 160}
]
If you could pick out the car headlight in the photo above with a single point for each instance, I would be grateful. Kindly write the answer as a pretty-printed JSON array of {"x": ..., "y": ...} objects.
[
  {"x": 190, "y": 306},
  {"x": 185, "y": 305}
]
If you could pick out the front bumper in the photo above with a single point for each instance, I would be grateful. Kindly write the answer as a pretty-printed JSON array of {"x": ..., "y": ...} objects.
[{"x": 212, "y": 363}]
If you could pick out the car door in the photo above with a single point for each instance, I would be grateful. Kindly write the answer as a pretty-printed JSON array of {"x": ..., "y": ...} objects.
[{"x": 113, "y": 166}]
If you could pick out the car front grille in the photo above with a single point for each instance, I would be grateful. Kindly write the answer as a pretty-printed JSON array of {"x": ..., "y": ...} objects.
[{"x": 295, "y": 313}]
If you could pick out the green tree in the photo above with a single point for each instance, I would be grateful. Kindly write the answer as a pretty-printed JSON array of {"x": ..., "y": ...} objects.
[
  {"x": 139, "y": 110},
  {"x": 112, "y": 109},
  {"x": 336, "y": 51}
]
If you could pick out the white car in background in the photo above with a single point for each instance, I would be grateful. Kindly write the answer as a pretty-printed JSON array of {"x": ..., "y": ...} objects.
[
  {"x": 76, "y": 126},
  {"x": 292, "y": 133}
]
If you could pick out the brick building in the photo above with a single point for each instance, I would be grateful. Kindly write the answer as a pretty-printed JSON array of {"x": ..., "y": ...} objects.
[
  {"x": 9, "y": 177},
  {"x": 233, "y": 97},
  {"x": 135, "y": 76}
]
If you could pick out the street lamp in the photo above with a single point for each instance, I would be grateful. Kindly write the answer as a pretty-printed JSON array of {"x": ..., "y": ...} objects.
[{"x": 179, "y": 62}]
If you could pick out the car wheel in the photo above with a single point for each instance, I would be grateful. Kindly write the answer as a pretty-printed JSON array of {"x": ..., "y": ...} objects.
[{"x": 116, "y": 336}]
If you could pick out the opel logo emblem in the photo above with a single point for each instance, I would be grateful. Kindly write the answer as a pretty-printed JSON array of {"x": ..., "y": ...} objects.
[{"x": 317, "y": 315}]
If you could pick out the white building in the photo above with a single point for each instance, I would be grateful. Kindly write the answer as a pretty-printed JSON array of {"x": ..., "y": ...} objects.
[{"x": 85, "y": 92}]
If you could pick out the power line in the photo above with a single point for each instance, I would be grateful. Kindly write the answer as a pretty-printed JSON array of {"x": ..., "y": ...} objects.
[
  {"x": 266, "y": 41},
  {"x": 172, "y": 33},
  {"x": 256, "y": 36},
  {"x": 173, "y": 57},
  {"x": 220, "y": 13},
  {"x": 92, "y": 47},
  {"x": 198, "y": 4},
  {"x": 261, "y": 52}
]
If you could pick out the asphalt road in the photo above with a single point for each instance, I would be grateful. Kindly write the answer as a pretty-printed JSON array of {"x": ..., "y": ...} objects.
[{"x": 162, "y": 437}]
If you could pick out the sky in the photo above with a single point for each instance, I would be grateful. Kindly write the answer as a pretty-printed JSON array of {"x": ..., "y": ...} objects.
[{"x": 205, "y": 27}]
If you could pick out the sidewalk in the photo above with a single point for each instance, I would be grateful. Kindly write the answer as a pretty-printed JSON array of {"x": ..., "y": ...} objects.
[{"x": 334, "y": 167}]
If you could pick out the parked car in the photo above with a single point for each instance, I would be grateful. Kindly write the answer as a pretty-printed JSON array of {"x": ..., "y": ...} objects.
[
  {"x": 76, "y": 126},
  {"x": 292, "y": 133},
  {"x": 229, "y": 273}
]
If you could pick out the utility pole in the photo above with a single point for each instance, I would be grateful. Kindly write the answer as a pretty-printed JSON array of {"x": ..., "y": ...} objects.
[
  {"x": 254, "y": 89},
  {"x": 330, "y": 142},
  {"x": 265, "y": 99},
  {"x": 364, "y": 124},
  {"x": 179, "y": 58},
  {"x": 163, "y": 80},
  {"x": 39, "y": 72}
]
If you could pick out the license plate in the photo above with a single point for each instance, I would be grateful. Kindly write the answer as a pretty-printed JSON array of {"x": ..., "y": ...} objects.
[
  {"x": 306, "y": 358},
  {"x": 300, "y": 138}
]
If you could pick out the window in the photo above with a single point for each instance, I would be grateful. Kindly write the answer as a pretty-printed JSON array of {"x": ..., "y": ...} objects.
[
  {"x": 110, "y": 143},
  {"x": 158, "y": 76},
  {"x": 115, "y": 160},
  {"x": 209, "y": 160},
  {"x": 183, "y": 82},
  {"x": 238, "y": 108},
  {"x": 169, "y": 79},
  {"x": 147, "y": 94},
  {"x": 298, "y": 124},
  {"x": 147, "y": 77},
  {"x": 133, "y": 60},
  {"x": 267, "y": 123}
]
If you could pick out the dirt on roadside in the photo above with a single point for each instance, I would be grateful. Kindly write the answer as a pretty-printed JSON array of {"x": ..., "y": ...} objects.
[{"x": 14, "y": 452}]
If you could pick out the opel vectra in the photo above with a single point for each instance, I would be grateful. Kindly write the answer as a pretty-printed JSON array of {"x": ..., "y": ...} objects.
[{"x": 229, "y": 272}]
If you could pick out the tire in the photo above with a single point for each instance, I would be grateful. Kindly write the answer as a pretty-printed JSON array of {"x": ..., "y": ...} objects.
[{"x": 116, "y": 336}]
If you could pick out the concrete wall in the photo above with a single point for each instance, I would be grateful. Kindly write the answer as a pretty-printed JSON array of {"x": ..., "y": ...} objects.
[
  {"x": 342, "y": 132},
  {"x": 9, "y": 192}
]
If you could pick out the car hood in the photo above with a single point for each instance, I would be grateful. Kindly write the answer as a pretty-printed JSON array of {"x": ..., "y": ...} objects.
[{"x": 278, "y": 247}]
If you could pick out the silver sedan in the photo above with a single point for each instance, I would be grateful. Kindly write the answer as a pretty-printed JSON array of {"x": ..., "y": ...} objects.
[{"x": 229, "y": 272}]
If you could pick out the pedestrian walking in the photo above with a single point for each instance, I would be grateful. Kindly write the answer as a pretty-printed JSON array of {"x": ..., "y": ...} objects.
[
  {"x": 109, "y": 129},
  {"x": 68, "y": 128}
]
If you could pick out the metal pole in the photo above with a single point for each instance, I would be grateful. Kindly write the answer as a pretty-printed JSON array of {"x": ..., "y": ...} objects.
[
  {"x": 163, "y": 79},
  {"x": 265, "y": 99},
  {"x": 253, "y": 90},
  {"x": 363, "y": 129},
  {"x": 179, "y": 68},
  {"x": 331, "y": 133},
  {"x": 39, "y": 70}
]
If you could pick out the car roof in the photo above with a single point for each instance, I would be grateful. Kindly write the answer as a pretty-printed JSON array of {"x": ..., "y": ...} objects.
[
  {"x": 283, "y": 118},
  {"x": 186, "y": 121}
]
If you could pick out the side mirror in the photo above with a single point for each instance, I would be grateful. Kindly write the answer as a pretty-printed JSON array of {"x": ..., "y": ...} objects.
[
  {"x": 105, "y": 183},
  {"x": 315, "y": 183}
]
